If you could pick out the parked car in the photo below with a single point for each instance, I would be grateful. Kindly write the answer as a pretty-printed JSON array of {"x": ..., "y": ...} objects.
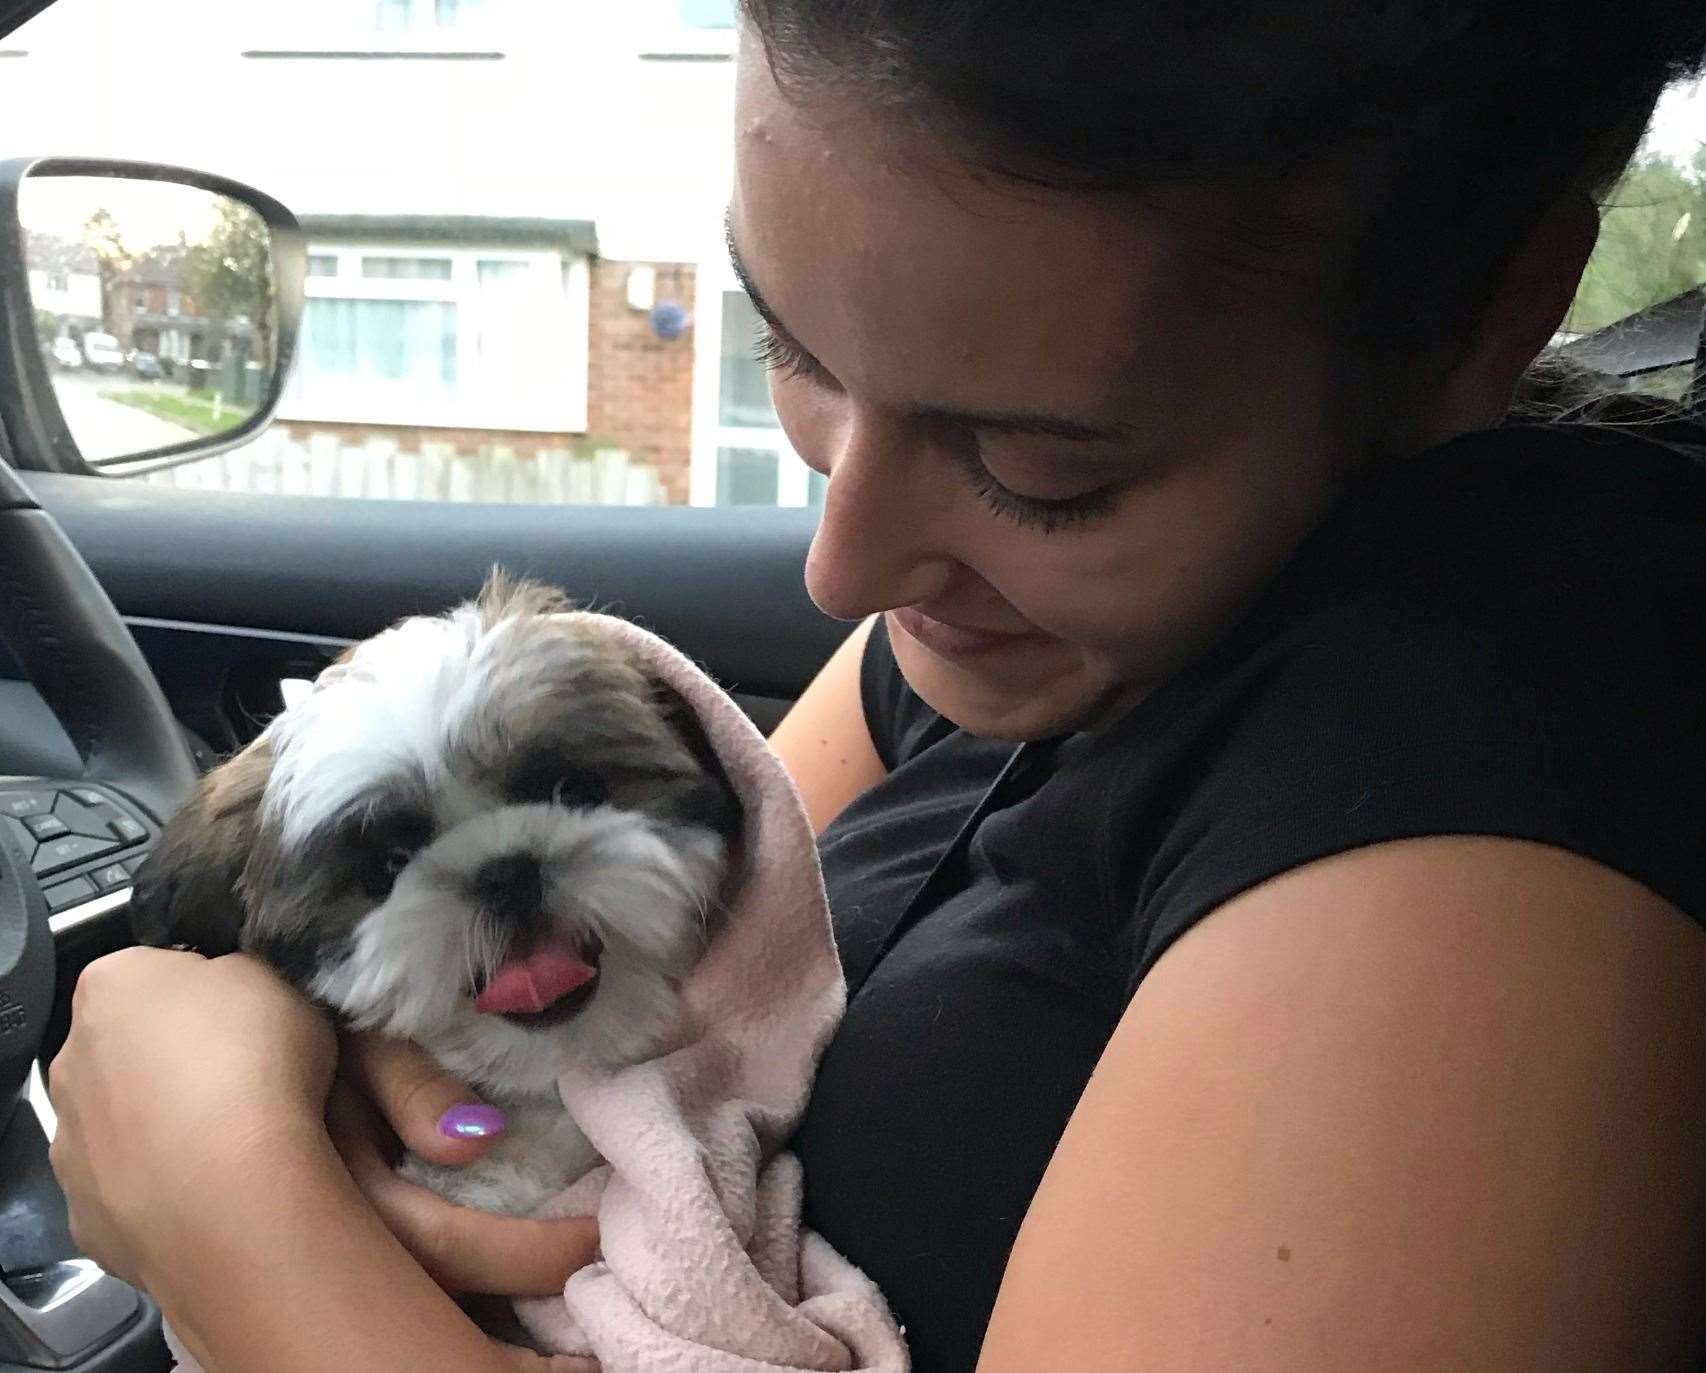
[
  {"x": 146, "y": 366},
  {"x": 102, "y": 353},
  {"x": 66, "y": 354}
]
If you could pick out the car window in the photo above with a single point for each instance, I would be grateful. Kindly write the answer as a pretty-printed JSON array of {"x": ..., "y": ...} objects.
[
  {"x": 517, "y": 289},
  {"x": 1650, "y": 262}
]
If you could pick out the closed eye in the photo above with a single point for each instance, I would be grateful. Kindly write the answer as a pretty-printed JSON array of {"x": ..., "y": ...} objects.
[{"x": 784, "y": 357}]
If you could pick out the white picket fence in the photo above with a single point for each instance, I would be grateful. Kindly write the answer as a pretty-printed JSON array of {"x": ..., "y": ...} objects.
[{"x": 277, "y": 464}]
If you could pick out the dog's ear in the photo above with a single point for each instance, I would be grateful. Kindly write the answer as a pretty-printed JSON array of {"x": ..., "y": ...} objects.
[
  {"x": 711, "y": 802},
  {"x": 188, "y": 892}
]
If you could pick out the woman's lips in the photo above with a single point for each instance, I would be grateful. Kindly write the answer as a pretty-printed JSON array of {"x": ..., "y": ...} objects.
[{"x": 957, "y": 641}]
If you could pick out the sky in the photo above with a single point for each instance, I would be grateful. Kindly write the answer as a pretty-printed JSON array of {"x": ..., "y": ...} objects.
[
  {"x": 149, "y": 213},
  {"x": 1679, "y": 125}
]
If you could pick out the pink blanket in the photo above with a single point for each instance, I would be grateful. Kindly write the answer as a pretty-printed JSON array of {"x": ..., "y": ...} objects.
[{"x": 706, "y": 1267}]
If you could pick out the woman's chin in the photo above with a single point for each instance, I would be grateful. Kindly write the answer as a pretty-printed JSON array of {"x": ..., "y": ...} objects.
[{"x": 1049, "y": 692}]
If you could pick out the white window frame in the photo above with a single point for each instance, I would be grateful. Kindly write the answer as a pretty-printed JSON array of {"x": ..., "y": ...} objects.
[
  {"x": 793, "y": 477},
  {"x": 548, "y": 410}
]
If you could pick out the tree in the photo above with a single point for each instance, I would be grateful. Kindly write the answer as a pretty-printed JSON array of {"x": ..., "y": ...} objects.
[
  {"x": 1652, "y": 243},
  {"x": 105, "y": 238},
  {"x": 229, "y": 274}
]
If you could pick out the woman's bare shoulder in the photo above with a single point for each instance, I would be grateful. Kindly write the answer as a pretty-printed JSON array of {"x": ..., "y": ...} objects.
[
  {"x": 1433, "y": 1103},
  {"x": 824, "y": 741}
]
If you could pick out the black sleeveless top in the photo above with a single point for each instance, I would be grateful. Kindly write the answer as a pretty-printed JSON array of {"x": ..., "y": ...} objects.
[{"x": 1504, "y": 636}]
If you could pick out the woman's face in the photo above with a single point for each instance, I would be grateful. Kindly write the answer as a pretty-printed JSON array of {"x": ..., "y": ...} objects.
[{"x": 1066, "y": 437}]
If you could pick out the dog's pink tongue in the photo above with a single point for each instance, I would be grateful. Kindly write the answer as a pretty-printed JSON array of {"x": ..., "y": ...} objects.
[{"x": 534, "y": 983}]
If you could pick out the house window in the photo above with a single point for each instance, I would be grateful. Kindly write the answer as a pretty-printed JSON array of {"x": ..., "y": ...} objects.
[
  {"x": 322, "y": 265},
  {"x": 59, "y": 281},
  {"x": 412, "y": 16},
  {"x": 459, "y": 338},
  {"x": 707, "y": 14},
  {"x": 407, "y": 341},
  {"x": 406, "y": 268},
  {"x": 747, "y": 476},
  {"x": 744, "y": 389},
  {"x": 740, "y": 454}
]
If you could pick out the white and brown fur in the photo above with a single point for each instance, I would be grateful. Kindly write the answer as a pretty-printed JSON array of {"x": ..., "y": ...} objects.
[{"x": 450, "y": 789}]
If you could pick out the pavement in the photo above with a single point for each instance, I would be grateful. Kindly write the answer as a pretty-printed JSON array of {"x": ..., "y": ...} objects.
[{"x": 104, "y": 429}]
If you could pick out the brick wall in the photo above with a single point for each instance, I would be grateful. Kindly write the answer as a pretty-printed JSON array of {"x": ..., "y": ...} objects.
[{"x": 640, "y": 389}]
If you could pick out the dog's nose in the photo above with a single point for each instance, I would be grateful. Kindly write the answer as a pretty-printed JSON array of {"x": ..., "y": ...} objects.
[{"x": 511, "y": 885}]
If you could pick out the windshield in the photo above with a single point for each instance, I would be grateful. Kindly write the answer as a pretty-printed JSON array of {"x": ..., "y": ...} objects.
[{"x": 518, "y": 288}]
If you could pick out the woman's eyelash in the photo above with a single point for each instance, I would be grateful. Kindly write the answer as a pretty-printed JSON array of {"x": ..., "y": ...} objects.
[
  {"x": 1030, "y": 512},
  {"x": 785, "y": 357}
]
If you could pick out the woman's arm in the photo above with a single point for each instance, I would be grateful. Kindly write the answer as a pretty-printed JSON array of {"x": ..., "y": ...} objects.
[
  {"x": 824, "y": 741},
  {"x": 193, "y": 1154},
  {"x": 286, "y": 1268},
  {"x": 1431, "y": 1104}
]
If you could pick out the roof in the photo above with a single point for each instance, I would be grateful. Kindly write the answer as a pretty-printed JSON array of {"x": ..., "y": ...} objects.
[
  {"x": 50, "y": 253},
  {"x": 581, "y": 235}
]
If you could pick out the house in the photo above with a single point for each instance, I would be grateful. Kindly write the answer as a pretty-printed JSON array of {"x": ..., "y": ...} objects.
[
  {"x": 513, "y": 210},
  {"x": 65, "y": 282}
]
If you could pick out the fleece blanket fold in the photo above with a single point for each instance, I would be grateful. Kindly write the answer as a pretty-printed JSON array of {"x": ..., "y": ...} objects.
[{"x": 706, "y": 1266}]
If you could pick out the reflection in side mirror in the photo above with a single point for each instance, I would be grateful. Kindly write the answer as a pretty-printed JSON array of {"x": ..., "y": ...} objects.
[{"x": 156, "y": 310}]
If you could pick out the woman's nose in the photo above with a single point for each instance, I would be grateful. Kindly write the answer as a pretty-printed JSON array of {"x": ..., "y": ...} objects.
[{"x": 879, "y": 543}]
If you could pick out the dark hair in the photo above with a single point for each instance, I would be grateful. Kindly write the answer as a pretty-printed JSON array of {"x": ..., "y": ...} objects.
[{"x": 1461, "y": 120}]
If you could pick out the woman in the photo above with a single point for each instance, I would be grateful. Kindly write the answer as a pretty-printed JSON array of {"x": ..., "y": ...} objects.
[{"x": 1261, "y": 806}]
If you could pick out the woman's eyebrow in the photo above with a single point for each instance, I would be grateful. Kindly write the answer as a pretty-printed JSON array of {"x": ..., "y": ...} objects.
[{"x": 1020, "y": 423}]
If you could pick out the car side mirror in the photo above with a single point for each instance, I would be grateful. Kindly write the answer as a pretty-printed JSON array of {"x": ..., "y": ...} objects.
[{"x": 148, "y": 314}]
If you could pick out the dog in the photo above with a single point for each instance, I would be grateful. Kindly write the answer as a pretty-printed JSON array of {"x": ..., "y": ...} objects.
[{"x": 490, "y": 832}]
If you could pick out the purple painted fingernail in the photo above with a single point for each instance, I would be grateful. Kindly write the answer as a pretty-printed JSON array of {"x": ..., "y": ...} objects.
[{"x": 472, "y": 1120}]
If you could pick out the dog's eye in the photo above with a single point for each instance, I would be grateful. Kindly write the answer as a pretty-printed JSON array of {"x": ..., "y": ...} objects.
[
  {"x": 548, "y": 780},
  {"x": 381, "y": 868},
  {"x": 579, "y": 788}
]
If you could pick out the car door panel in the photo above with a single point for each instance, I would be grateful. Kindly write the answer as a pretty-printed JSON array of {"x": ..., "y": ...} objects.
[{"x": 227, "y": 594}]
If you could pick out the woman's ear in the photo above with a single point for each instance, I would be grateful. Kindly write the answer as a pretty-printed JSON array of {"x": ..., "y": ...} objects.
[
  {"x": 1528, "y": 306},
  {"x": 188, "y": 892}
]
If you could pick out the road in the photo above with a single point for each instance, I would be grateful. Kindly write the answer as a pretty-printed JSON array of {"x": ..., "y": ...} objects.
[{"x": 106, "y": 429}]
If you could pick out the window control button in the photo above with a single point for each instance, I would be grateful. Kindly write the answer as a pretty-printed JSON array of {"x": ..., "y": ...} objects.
[
  {"x": 131, "y": 831},
  {"x": 88, "y": 796},
  {"x": 68, "y": 893},
  {"x": 26, "y": 803},
  {"x": 74, "y": 848},
  {"x": 46, "y": 826},
  {"x": 113, "y": 875}
]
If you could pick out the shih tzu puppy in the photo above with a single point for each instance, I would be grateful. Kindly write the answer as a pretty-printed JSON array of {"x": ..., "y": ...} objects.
[{"x": 491, "y": 833}]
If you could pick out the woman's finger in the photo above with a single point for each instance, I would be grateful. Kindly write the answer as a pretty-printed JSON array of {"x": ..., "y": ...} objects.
[
  {"x": 435, "y": 1114},
  {"x": 463, "y": 1249}
]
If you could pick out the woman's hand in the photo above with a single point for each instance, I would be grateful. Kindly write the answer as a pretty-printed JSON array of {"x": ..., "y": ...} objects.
[
  {"x": 181, "y": 1073},
  {"x": 437, "y": 1117}
]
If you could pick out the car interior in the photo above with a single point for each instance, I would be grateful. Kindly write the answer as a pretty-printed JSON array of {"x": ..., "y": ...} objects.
[{"x": 149, "y": 626}]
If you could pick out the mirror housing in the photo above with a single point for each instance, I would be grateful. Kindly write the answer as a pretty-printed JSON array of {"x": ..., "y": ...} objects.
[{"x": 32, "y": 414}]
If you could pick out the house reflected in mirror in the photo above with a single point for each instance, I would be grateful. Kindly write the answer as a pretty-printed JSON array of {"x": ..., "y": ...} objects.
[{"x": 155, "y": 310}]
